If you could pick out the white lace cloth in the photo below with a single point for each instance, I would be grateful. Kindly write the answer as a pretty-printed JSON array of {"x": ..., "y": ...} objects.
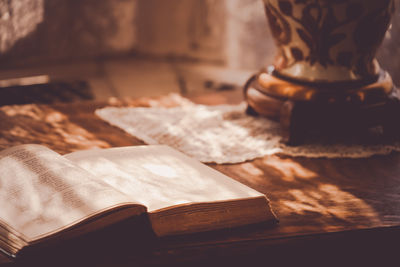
[{"x": 222, "y": 134}]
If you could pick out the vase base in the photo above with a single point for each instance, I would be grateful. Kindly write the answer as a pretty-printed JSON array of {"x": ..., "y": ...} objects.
[{"x": 306, "y": 111}]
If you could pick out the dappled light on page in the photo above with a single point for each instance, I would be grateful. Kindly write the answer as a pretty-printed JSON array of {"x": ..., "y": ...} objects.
[
  {"x": 161, "y": 170},
  {"x": 210, "y": 134},
  {"x": 44, "y": 193},
  {"x": 159, "y": 176}
]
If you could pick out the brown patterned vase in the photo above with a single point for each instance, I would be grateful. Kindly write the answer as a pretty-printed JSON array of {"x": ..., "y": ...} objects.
[
  {"x": 325, "y": 66},
  {"x": 328, "y": 40}
]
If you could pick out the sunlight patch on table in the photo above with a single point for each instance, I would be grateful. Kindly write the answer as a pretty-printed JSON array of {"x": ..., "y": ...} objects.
[
  {"x": 289, "y": 169},
  {"x": 329, "y": 202}
]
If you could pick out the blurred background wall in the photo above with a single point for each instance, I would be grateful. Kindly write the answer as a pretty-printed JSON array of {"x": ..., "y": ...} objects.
[{"x": 231, "y": 33}]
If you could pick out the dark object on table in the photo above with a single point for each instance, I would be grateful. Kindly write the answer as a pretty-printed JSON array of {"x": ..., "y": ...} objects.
[
  {"x": 325, "y": 79},
  {"x": 45, "y": 93},
  {"x": 347, "y": 113}
]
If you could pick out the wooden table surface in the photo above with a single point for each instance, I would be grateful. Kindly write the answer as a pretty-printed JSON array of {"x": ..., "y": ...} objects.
[{"x": 330, "y": 210}]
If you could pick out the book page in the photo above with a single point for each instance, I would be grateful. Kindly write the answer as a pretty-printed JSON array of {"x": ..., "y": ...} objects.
[
  {"x": 159, "y": 176},
  {"x": 41, "y": 192}
]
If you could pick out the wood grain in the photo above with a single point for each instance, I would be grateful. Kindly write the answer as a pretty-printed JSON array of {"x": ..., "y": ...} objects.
[{"x": 328, "y": 208}]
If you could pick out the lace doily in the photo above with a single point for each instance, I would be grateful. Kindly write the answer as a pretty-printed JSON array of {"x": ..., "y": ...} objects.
[{"x": 222, "y": 134}]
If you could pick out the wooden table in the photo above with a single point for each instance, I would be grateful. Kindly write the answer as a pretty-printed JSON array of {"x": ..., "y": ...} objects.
[{"x": 330, "y": 211}]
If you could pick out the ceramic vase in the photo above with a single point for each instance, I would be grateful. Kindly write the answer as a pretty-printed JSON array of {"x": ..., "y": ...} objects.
[
  {"x": 325, "y": 78},
  {"x": 328, "y": 40}
]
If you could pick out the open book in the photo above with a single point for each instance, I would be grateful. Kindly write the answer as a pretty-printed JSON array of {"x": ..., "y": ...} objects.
[{"x": 45, "y": 196}]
